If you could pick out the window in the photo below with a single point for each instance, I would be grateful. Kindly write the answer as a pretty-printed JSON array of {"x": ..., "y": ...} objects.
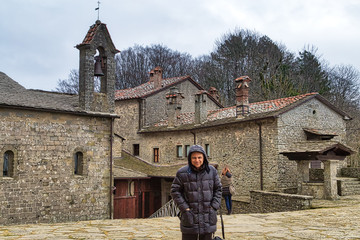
[
  {"x": 187, "y": 149},
  {"x": 136, "y": 149},
  {"x": 207, "y": 149},
  {"x": 179, "y": 151},
  {"x": 8, "y": 164},
  {"x": 156, "y": 155},
  {"x": 131, "y": 188},
  {"x": 79, "y": 163}
]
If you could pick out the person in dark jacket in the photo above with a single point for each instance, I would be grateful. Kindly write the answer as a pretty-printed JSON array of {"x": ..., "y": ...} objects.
[{"x": 196, "y": 191}]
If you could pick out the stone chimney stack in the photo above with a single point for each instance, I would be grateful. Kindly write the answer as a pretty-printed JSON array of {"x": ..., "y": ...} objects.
[
  {"x": 214, "y": 93},
  {"x": 156, "y": 77},
  {"x": 200, "y": 107},
  {"x": 174, "y": 102},
  {"x": 242, "y": 96}
]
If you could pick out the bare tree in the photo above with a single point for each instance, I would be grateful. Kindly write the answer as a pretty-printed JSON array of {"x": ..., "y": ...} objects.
[
  {"x": 134, "y": 64},
  {"x": 70, "y": 85},
  {"x": 245, "y": 52}
]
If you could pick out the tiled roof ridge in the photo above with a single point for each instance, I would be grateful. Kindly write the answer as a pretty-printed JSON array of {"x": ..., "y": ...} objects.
[
  {"x": 91, "y": 33},
  {"x": 273, "y": 101},
  {"x": 285, "y": 99}
]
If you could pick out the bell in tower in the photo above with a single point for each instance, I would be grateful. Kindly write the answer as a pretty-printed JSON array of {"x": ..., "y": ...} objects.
[
  {"x": 101, "y": 66},
  {"x": 97, "y": 70}
]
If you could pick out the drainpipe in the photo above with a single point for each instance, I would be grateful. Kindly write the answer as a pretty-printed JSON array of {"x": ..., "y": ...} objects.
[
  {"x": 261, "y": 156},
  {"x": 194, "y": 137},
  {"x": 111, "y": 166}
]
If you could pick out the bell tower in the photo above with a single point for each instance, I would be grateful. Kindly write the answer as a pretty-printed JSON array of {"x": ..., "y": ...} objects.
[{"x": 97, "y": 66}]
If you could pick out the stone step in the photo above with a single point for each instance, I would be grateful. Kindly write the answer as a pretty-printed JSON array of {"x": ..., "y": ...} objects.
[{"x": 348, "y": 186}]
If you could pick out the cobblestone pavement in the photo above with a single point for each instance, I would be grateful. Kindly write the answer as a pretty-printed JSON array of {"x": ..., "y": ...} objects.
[{"x": 329, "y": 220}]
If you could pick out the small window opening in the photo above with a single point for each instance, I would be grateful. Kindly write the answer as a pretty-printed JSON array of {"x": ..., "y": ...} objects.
[
  {"x": 156, "y": 155},
  {"x": 79, "y": 163},
  {"x": 207, "y": 149},
  {"x": 136, "y": 149},
  {"x": 187, "y": 149},
  {"x": 179, "y": 151},
  {"x": 8, "y": 164},
  {"x": 131, "y": 188}
]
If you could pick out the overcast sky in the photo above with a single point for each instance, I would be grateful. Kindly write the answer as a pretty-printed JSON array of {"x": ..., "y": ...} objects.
[{"x": 37, "y": 37}]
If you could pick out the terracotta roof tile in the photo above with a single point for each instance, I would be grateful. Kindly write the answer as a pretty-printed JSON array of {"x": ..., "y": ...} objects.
[
  {"x": 258, "y": 107},
  {"x": 91, "y": 33}
]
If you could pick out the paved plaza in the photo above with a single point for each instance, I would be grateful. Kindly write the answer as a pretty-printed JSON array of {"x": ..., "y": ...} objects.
[{"x": 329, "y": 220}]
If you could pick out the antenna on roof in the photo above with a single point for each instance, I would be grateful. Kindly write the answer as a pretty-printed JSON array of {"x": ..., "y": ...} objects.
[{"x": 98, "y": 9}]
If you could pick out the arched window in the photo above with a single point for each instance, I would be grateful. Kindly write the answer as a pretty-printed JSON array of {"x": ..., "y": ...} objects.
[
  {"x": 78, "y": 163},
  {"x": 8, "y": 164}
]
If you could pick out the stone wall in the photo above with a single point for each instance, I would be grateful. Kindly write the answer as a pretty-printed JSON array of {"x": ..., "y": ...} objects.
[
  {"x": 44, "y": 187},
  {"x": 350, "y": 172},
  {"x": 127, "y": 125},
  {"x": 236, "y": 146},
  {"x": 312, "y": 114},
  {"x": 313, "y": 189},
  {"x": 266, "y": 202},
  {"x": 156, "y": 104}
]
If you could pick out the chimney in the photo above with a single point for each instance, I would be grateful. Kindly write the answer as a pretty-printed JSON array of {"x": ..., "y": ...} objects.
[
  {"x": 214, "y": 93},
  {"x": 156, "y": 77},
  {"x": 200, "y": 107},
  {"x": 174, "y": 102},
  {"x": 242, "y": 95}
]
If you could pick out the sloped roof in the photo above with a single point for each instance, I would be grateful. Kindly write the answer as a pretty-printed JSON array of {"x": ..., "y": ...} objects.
[
  {"x": 258, "y": 110},
  {"x": 92, "y": 33},
  {"x": 12, "y": 94},
  {"x": 310, "y": 150},
  {"x": 147, "y": 89},
  {"x": 136, "y": 167}
]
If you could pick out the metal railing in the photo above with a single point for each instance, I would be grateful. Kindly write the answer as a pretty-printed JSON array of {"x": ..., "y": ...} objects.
[{"x": 169, "y": 209}]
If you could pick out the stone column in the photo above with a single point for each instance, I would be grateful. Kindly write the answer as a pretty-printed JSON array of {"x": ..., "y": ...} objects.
[
  {"x": 302, "y": 173},
  {"x": 330, "y": 185}
]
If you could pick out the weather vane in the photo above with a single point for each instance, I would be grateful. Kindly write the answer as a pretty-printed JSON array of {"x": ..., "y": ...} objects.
[{"x": 98, "y": 9}]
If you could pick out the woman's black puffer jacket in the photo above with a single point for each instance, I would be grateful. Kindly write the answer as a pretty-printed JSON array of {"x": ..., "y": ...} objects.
[{"x": 201, "y": 192}]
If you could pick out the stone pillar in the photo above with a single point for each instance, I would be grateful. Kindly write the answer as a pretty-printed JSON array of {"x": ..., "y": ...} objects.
[
  {"x": 302, "y": 173},
  {"x": 330, "y": 184}
]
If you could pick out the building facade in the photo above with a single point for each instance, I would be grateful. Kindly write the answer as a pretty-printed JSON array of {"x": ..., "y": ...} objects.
[
  {"x": 56, "y": 149},
  {"x": 248, "y": 137}
]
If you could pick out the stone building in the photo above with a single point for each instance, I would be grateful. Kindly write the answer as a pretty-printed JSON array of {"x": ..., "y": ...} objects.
[
  {"x": 62, "y": 154},
  {"x": 248, "y": 137},
  {"x": 56, "y": 149}
]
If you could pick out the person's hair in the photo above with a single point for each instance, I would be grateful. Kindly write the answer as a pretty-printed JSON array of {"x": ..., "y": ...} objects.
[{"x": 225, "y": 170}]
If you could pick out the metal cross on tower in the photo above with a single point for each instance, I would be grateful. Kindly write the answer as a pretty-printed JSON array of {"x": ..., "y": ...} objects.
[{"x": 98, "y": 9}]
